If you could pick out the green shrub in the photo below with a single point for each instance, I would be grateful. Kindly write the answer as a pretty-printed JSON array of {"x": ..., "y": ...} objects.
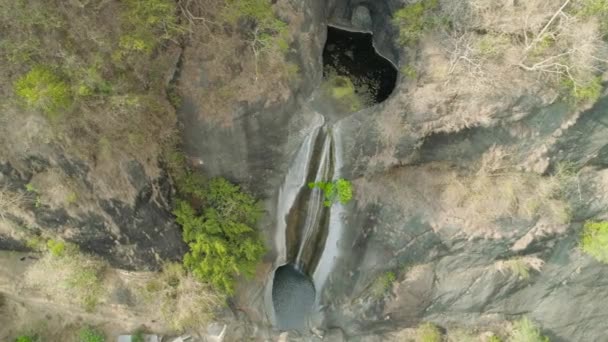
[
  {"x": 271, "y": 33},
  {"x": 88, "y": 334},
  {"x": 148, "y": 22},
  {"x": 27, "y": 338},
  {"x": 494, "y": 338},
  {"x": 339, "y": 190},
  {"x": 524, "y": 330},
  {"x": 344, "y": 92},
  {"x": 220, "y": 233},
  {"x": 55, "y": 247},
  {"x": 414, "y": 19},
  {"x": 383, "y": 284},
  {"x": 44, "y": 89},
  {"x": 588, "y": 92},
  {"x": 428, "y": 332},
  {"x": 595, "y": 8},
  {"x": 409, "y": 71},
  {"x": 138, "y": 336},
  {"x": 594, "y": 240}
]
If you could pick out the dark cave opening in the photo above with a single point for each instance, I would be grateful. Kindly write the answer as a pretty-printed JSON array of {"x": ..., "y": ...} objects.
[{"x": 352, "y": 55}]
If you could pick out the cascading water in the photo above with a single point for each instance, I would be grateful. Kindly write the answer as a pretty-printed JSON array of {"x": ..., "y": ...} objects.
[
  {"x": 308, "y": 232},
  {"x": 315, "y": 203},
  {"x": 304, "y": 219}
]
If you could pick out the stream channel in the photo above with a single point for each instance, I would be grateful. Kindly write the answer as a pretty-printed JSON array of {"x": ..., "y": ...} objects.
[{"x": 308, "y": 232}]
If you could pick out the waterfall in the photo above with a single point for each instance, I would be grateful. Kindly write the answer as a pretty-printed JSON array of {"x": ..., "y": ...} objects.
[
  {"x": 308, "y": 231},
  {"x": 295, "y": 179},
  {"x": 315, "y": 201},
  {"x": 335, "y": 227}
]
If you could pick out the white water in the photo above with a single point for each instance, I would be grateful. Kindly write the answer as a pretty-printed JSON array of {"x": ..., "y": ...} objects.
[
  {"x": 295, "y": 179},
  {"x": 315, "y": 203},
  {"x": 336, "y": 224}
]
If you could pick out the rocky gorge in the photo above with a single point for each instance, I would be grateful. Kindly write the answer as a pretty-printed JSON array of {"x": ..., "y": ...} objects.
[{"x": 468, "y": 171}]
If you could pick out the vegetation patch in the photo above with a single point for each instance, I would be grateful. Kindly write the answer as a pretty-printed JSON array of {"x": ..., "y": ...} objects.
[
  {"x": 339, "y": 190},
  {"x": 148, "y": 23},
  {"x": 428, "y": 332},
  {"x": 89, "y": 334},
  {"x": 382, "y": 284},
  {"x": 520, "y": 266},
  {"x": 218, "y": 225},
  {"x": 64, "y": 273},
  {"x": 414, "y": 19},
  {"x": 27, "y": 338},
  {"x": 348, "y": 94},
  {"x": 184, "y": 302},
  {"x": 524, "y": 330},
  {"x": 594, "y": 240},
  {"x": 44, "y": 89}
]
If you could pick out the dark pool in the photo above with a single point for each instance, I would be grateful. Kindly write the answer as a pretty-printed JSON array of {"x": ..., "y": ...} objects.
[
  {"x": 293, "y": 297},
  {"x": 352, "y": 54}
]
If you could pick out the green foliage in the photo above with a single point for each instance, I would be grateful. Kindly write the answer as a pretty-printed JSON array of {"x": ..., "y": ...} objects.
[
  {"x": 270, "y": 34},
  {"x": 524, "y": 330},
  {"x": 409, "y": 71},
  {"x": 88, "y": 334},
  {"x": 428, "y": 332},
  {"x": 44, "y": 89},
  {"x": 594, "y": 240},
  {"x": 223, "y": 243},
  {"x": 598, "y": 9},
  {"x": 342, "y": 90},
  {"x": 588, "y": 92},
  {"x": 26, "y": 338},
  {"x": 414, "y": 19},
  {"x": 339, "y": 190},
  {"x": 519, "y": 267},
  {"x": 71, "y": 198},
  {"x": 82, "y": 276},
  {"x": 138, "y": 336},
  {"x": 494, "y": 338},
  {"x": 148, "y": 23},
  {"x": 382, "y": 284},
  {"x": 55, "y": 247}
]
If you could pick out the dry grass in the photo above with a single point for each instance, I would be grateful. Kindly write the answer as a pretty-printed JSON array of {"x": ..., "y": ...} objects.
[
  {"x": 496, "y": 191},
  {"x": 69, "y": 276},
  {"x": 184, "y": 302},
  {"x": 10, "y": 201},
  {"x": 520, "y": 266}
]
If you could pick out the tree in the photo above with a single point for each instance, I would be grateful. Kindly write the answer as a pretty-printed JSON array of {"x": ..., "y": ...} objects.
[{"x": 223, "y": 243}]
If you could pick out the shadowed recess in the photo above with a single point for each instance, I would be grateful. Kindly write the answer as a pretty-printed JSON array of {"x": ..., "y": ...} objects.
[
  {"x": 352, "y": 54},
  {"x": 293, "y": 296}
]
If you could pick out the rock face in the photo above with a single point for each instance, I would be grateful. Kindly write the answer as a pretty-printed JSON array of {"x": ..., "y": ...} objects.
[
  {"x": 419, "y": 211},
  {"x": 123, "y": 221},
  {"x": 452, "y": 186}
]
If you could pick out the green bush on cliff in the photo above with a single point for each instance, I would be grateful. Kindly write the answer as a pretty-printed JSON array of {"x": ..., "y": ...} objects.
[
  {"x": 525, "y": 330},
  {"x": 339, "y": 190},
  {"x": 26, "y": 338},
  {"x": 270, "y": 34},
  {"x": 428, "y": 332},
  {"x": 148, "y": 22},
  {"x": 88, "y": 334},
  {"x": 219, "y": 229},
  {"x": 594, "y": 240},
  {"x": 44, "y": 89},
  {"x": 413, "y": 19}
]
